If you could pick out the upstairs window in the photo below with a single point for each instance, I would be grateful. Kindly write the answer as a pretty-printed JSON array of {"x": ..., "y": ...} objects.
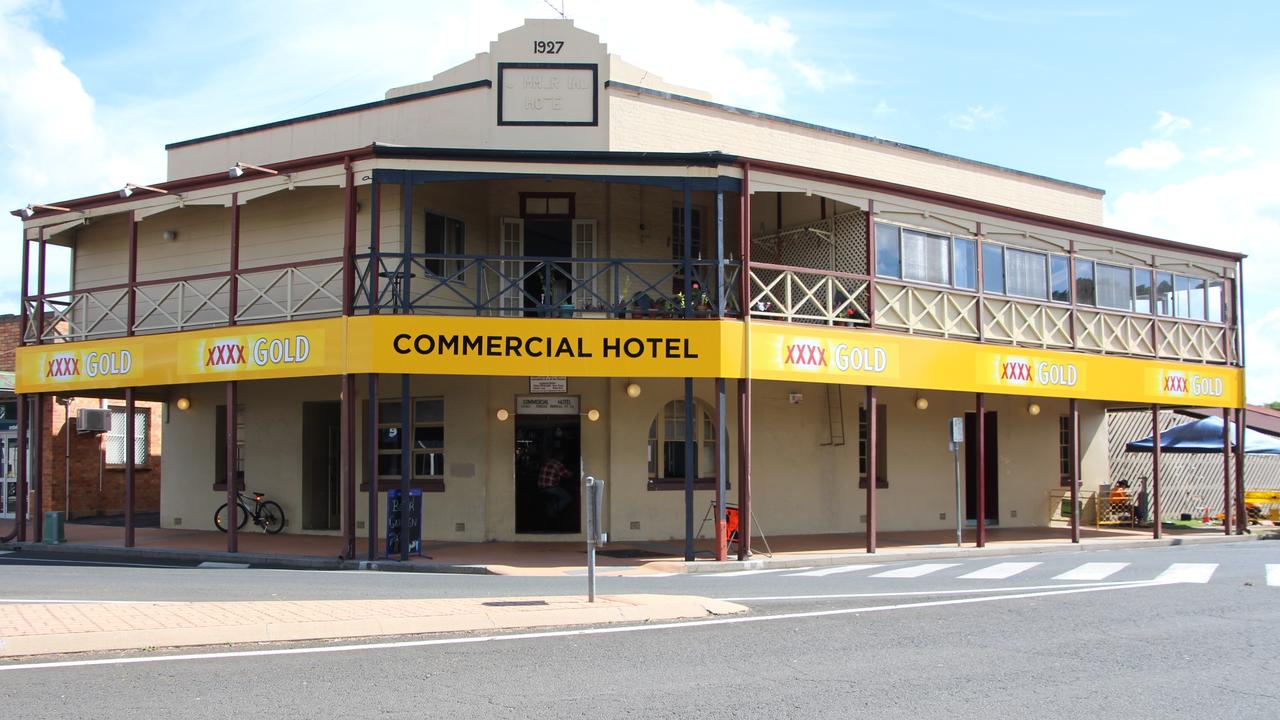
[
  {"x": 1114, "y": 287},
  {"x": 926, "y": 257},
  {"x": 888, "y": 251},
  {"x": 1025, "y": 273},
  {"x": 965, "y": 258},
  {"x": 677, "y": 231},
  {"x": 993, "y": 269},
  {"x": 1085, "y": 288},
  {"x": 1060, "y": 278},
  {"x": 445, "y": 236},
  {"x": 1142, "y": 290}
]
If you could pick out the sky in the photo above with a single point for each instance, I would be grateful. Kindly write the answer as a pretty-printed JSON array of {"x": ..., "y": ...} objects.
[{"x": 1171, "y": 107}]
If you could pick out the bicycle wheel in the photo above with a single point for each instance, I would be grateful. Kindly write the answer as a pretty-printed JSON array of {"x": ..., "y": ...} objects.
[
  {"x": 220, "y": 517},
  {"x": 271, "y": 517}
]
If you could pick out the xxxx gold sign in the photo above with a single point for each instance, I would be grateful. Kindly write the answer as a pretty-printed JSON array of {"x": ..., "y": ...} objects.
[
  {"x": 280, "y": 350},
  {"x": 106, "y": 364}
]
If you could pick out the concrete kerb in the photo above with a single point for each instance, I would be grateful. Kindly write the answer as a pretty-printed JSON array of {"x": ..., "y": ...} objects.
[
  {"x": 935, "y": 552},
  {"x": 102, "y": 553}
]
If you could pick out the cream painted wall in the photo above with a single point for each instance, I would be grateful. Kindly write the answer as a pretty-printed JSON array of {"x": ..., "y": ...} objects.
[{"x": 800, "y": 485}]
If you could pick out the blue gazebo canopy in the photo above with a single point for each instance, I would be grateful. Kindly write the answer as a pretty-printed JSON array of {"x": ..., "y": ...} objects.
[{"x": 1205, "y": 436}]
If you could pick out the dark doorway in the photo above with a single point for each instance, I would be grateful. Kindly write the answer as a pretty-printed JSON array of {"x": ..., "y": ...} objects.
[
  {"x": 971, "y": 469},
  {"x": 320, "y": 465},
  {"x": 543, "y": 439},
  {"x": 549, "y": 285}
]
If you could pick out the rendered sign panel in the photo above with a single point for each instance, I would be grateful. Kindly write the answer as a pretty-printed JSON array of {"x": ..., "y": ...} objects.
[{"x": 548, "y": 94}]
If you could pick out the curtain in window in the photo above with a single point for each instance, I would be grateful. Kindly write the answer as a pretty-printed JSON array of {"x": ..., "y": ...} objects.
[
  {"x": 926, "y": 258},
  {"x": 1115, "y": 287},
  {"x": 1026, "y": 273}
]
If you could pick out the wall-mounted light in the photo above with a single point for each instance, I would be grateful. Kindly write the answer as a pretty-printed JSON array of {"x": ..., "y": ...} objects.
[
  {"x": 128, "y": 189},
  {"x": 1033, "y": 409},
  {"x": 922, "y": 403},
  {"x": 502, "y": 414},
  {"x": 183, "y": 403},
  {"x": 169, "y": 235},
  {"x": 593, "y": 415},
  {"x": 633, "y": 390},
  {"x": 238, "y": 169},
  {"x": 29, "y": 211}
]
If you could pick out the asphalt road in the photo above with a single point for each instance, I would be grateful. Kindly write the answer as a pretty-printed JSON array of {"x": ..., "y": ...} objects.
[{"x": 1015, "y": 641}]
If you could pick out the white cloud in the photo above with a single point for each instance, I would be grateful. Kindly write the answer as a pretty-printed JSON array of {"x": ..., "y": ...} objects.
[
  {"x": 1151, "y": 155},
  {"x": 977, "y": 116},
  {"x": 1225, "y": 153},
  {"x": 1234, "y": 210},
  {"x": 1168, "y": 124},
  {"x": 883, "y": 109}
]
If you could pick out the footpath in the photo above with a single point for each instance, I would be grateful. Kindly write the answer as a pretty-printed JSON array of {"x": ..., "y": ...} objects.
[{"x": 46, "y": 628}]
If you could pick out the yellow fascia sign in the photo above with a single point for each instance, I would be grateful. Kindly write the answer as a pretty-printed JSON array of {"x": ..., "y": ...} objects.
[
  {"x": 436, "y": 345},
  {"x": 835, "y": 355}
]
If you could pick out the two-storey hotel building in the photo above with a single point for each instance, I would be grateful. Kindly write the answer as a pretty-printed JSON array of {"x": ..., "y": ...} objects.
[{"x": 547, "y": 254}]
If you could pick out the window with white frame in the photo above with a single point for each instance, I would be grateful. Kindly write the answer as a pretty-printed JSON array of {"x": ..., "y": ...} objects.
[
  {"x": 445, "y": 236},
  {"x": 925, "y": 257},
  {"x": 666, "y": 448},
  {"x": 116, "y": 440}
]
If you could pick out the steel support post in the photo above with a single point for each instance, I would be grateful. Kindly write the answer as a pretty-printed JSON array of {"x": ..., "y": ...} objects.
[
  {"x": 690, "y": 472},
  {"x": 1242, "y": 517},
  {"x": 872, "y": 468},
  {"x": 980, "y": 437},
  {"x": 1075, "y": 470},
  {"x": 1156, "y": 531},
  {"x": 744, "y": 468},
  {"x": 1226, "y": 471},
  {"x": 233, "y": 472},
  {"x": 130, "y": 463},
  {"x": 722, "y": 471},
  {"x": 371, "y": 453},
  {"x": 347, "y": 447},
  {"x": 23, "y": 466},
  {"x": 37, "y": 469}
]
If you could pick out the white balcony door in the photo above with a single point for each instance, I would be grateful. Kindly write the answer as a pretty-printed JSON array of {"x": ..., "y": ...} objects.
[
  {"x": 586, "y": 292},
  {"x": 512, "y": 246}
]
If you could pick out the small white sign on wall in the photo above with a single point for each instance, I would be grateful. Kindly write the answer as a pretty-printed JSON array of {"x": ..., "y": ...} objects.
[
  {"x": 548, "y": 384},
  {"x": 545, "y": 405}
]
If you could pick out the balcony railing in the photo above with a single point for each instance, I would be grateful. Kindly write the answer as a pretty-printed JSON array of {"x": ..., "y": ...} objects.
[{"x": 527, "y": 286}]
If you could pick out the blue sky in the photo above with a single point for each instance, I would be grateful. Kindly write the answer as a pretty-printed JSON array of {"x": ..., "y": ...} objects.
[{"x": 1170, "y": 107}]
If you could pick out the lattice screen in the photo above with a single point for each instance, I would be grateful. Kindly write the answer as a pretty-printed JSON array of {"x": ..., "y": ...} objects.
[
  {"x": 115, "y": 442},
  {"x": 835, "y": 243}
]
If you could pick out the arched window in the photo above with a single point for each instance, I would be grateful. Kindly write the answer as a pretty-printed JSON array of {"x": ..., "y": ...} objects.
[{"x": 667, "y": 448}]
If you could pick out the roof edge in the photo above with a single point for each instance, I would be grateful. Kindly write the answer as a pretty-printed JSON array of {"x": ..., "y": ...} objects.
[{"x": 843, "y": 133}]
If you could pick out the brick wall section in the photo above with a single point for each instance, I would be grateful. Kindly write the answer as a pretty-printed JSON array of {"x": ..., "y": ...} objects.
[
  {"x": 10, "y": 334},
  {"x": 96, "y": 488}
]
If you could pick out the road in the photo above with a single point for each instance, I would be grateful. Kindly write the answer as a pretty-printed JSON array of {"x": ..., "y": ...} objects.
[{"x": 1055, "y": 635}]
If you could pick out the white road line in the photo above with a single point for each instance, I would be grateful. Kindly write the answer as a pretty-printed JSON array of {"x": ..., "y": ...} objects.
[
  {"x": 5, "y": 552},
  {"x": 209, "y": 564},
  {"x": 1273, "y": 575},
  {"x": 915, "y": 571},
  {"x": 610, "y": 630},
  {"x": 740, "y": 573},
  {"x": 918, "y": 593},
  {"x": 1187, "y": 573},
  {"x": 1093, "y": 571},
  {"x": 999, "y": 571},
  {"x": 823, "y": 572},
  {"x": 50, "y": 601}
]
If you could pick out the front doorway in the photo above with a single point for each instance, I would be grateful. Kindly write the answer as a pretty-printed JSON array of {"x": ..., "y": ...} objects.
[
  {"x": 8, "y": 474},
  {"x": 548, "y": 463},
  {"x": 992, "y": 467},
  {"x": 321, "y": 465}
]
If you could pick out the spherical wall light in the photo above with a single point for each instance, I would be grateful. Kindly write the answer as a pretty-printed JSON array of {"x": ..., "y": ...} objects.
[
  {"x": 633, "y": 390},
  {"x": 502, "y": 414},
  {"x": 922, "y": 403},
  {"x": 1033, "y": 409},
  {"x": 183, "y": 403},
  {"x": 593, "y": 415}
]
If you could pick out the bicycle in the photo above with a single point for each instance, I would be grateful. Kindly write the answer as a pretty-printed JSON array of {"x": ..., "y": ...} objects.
[{"x": 266, "y": 514}]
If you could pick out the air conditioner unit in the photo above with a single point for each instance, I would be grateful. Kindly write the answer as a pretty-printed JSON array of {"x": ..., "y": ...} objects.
[{"x": 93, "y": 420}]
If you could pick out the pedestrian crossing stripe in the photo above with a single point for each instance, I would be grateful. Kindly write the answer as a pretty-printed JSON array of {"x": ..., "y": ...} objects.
[
  {"x": 999, "y": 571},
  {"x": 914, "y": 571},
  {"x": 741, "y": 573},
  {"x": 835, "y": 570},
  {"x": 1273, "y": 575},
  {"x": 1187, "y": 573},
  {"x": 1093, "y": 571}
]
